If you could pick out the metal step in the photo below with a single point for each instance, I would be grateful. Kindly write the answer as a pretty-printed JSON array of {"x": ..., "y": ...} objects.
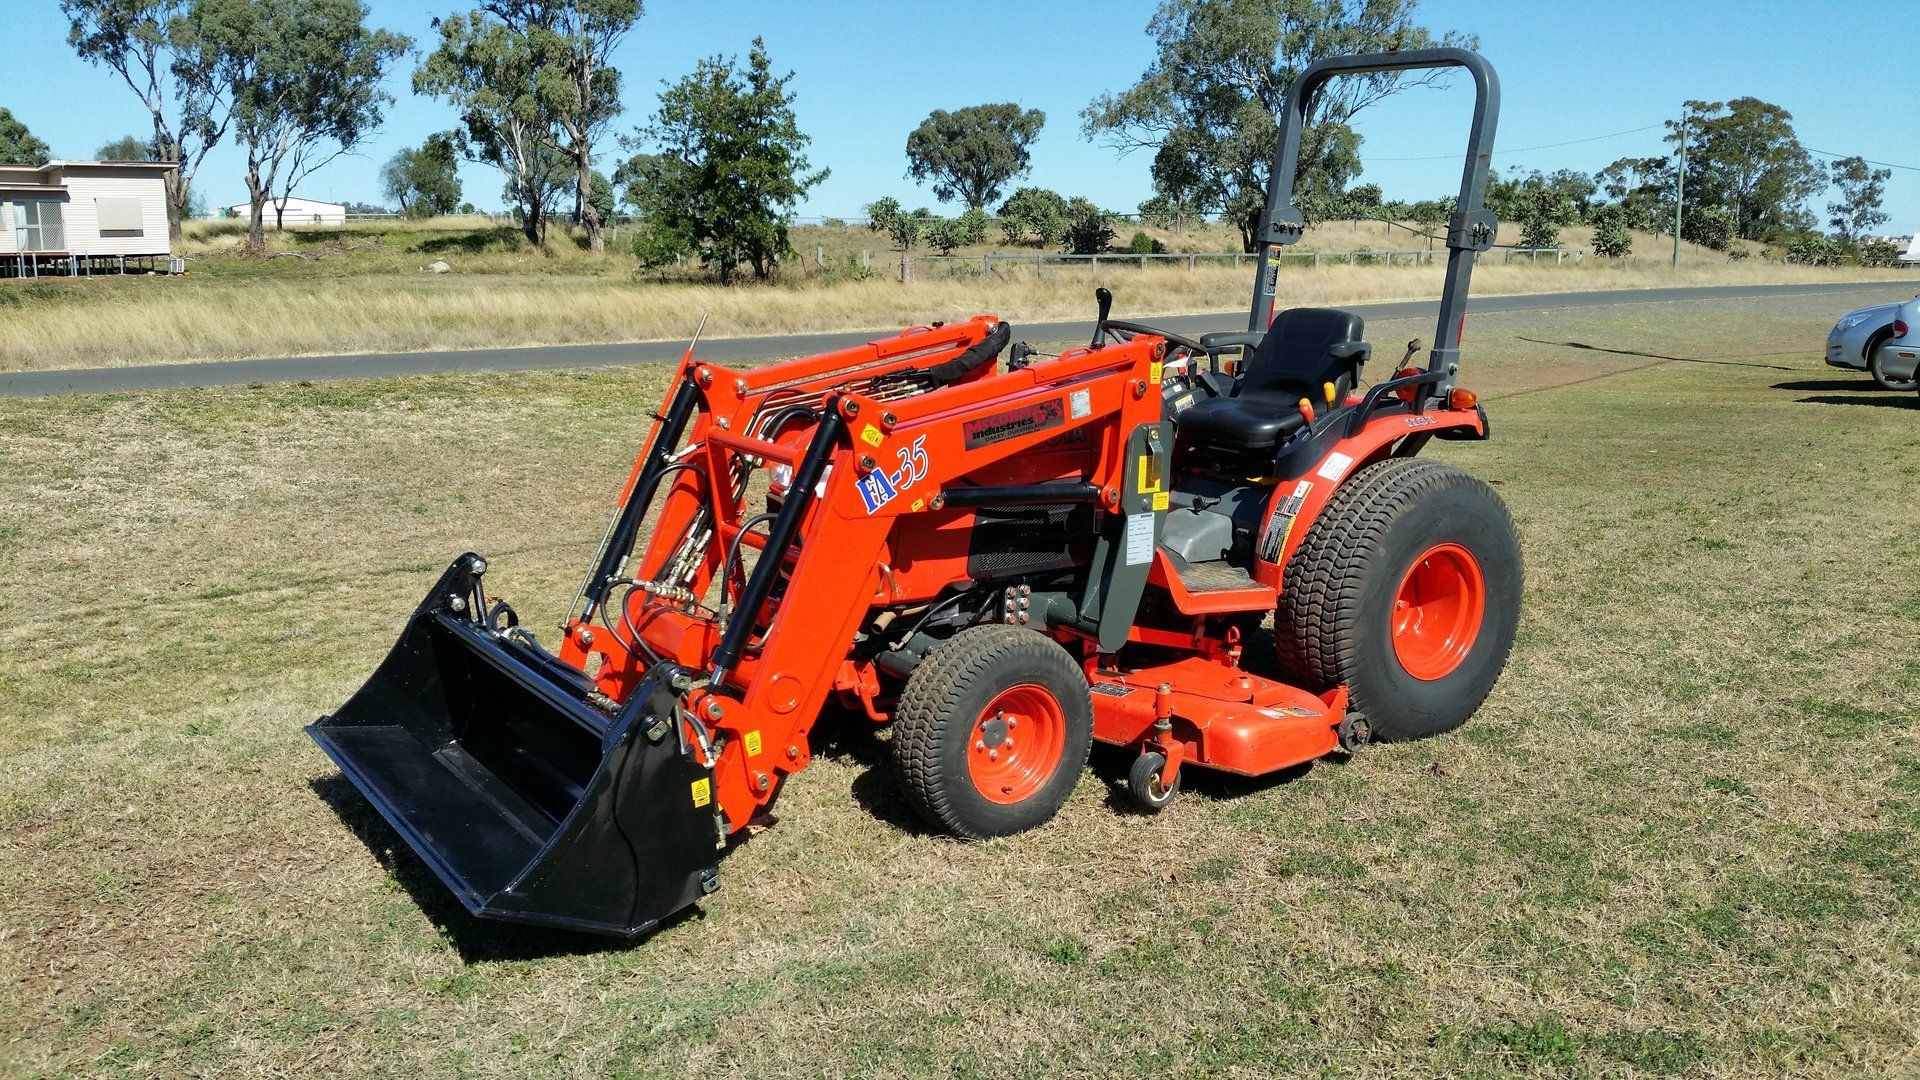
[{"x": 1209, "y": 577}]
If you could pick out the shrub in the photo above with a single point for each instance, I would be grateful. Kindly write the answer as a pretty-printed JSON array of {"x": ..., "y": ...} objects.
[
  {"x": 1814, "y": 250},
  {"x": 1877, "y": 253},
  {"x": 1142, "y": 244},
  {"x": 1611, "y": 237},
  {"x": 1738, "y": 254},
  {"x": 1036, "y": 214},
  {"x": 1541, "y": 212},
  {"x": 973, "y": 225},
  {"x": 1709, "y": 226},
  {"x": 906, "y": 230},
  {"x": 880, "y": 214},
  {"x": 946, "y": 234},
  {"x": 1089, "y": 228}
]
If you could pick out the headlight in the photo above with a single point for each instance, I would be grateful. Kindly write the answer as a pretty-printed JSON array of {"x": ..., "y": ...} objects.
[{"x": 1848, "y": 322}]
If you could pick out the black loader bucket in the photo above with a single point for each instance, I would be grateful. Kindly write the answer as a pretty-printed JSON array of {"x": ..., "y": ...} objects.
[{"x": 529, "y": 800}]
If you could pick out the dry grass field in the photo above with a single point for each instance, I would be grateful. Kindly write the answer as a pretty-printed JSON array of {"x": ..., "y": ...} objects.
[
  {"x": 1679, "y": 839},
  {"x": 361, "y": 289}
]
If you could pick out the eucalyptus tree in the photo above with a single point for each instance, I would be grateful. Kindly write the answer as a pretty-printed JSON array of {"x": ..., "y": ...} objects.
[
  {"x": 303, "y": 81},
  {"x": 1220, "y": 73},
  {"x": 151, "y": 45}
]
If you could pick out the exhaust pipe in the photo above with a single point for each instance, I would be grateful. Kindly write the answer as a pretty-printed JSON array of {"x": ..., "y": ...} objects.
[{"x": 530, "y": 802}]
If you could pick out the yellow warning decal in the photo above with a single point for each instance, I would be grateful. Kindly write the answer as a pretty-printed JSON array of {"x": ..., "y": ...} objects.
[
  {"x": 1153, "y": 372},
  {"x": 871, "y": 435},
  {"x": 1160, "y": 500},
  {"x": 753, "y": 744},
  {"x": 1149, "y": 475},
  {"x": 702, "y": 792}
]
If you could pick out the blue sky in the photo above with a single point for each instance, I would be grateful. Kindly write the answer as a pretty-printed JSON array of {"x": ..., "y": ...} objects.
[{"x": 868, "y": 71}]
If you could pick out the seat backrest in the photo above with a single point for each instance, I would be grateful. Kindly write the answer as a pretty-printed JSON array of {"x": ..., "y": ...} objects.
[{"x": 1293, "y": 358}]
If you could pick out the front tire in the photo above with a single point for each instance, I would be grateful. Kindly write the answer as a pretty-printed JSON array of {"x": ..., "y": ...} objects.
[
  {"x": 993, "y": 731},
  {"x": 1406, "y": 590},
  {"x": 1879, "y": 378}
]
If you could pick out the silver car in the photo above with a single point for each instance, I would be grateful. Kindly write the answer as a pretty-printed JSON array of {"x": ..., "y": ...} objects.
[
  {"x": 1878, "y": 340},
  {"x": 1898, "y": 356}
]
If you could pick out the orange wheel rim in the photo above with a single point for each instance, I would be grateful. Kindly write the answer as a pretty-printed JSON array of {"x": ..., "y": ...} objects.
[
  {"x": 1016, "y": 744},
  {"x": 1437, "y": 611}
]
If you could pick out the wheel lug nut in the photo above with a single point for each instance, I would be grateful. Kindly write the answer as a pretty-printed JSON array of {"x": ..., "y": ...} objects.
[
  {"x": 993, "y": 755},
  {"x": 980, "y": 744}
]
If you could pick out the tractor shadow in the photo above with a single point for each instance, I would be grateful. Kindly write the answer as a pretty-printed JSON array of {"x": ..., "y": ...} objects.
[
  {"x": 477, "y": 940},
  {"x": 851, "y": 737}
]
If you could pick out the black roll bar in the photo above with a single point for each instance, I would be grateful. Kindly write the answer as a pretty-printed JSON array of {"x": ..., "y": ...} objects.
[{"x": 1471, "y": 230}]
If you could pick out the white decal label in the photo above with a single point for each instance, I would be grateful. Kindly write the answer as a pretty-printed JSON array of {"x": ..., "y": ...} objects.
[
  {"x": 879, "y": 487},
  {"x": 1080, "y": 403},
  {"x": 1334, "y": 467},
  {"x": 1139, "y": 539},
  {"x": 1280, "y": 525}
]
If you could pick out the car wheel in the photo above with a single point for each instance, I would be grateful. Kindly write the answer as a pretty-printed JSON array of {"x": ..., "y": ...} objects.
[{"x": 1873, "y": 367}]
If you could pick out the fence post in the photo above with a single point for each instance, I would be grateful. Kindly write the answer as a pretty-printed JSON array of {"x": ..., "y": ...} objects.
[
  {"x": 986, "y": 265},
  {"x": 1189, "y": 264},
  {"x": 866, "y": 259},
  {"x": 1095, "y": 263},
  {"x": 820, "y": 256}
]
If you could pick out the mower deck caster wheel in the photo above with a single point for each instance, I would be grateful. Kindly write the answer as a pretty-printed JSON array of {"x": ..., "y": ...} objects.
[
  {"x": 1143, "y": 783},
  {"x": 1353, "y": 732}
]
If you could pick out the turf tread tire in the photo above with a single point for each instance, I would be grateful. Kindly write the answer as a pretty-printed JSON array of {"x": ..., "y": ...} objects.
[
  {"x": 940, "y": 702},
  {"x": 1321, "y": 624}
]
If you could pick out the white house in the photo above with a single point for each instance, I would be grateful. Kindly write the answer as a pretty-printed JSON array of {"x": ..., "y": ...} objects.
[
  {"x": 297, "y": 211},
  {"x": 67, "y": 213}
]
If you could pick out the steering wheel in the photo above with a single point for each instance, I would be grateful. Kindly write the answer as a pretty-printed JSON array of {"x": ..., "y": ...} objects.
[{"x": 1114, "y": 328}]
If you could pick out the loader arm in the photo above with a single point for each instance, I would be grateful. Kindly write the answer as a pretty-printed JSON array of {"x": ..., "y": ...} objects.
[{"x": 829, "y": 560}]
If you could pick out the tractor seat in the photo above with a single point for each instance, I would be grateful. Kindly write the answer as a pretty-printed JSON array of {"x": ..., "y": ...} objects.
[{"x": 1303, "y": 350}]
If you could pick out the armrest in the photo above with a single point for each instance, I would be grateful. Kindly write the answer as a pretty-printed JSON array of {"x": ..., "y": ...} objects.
[
  {"x": 1351, "y": 350},
  {"x": 1229, "y": 339}
]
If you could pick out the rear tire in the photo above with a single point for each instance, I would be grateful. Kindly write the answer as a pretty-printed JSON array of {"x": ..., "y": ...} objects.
[
  {"x": 1406, "y": 590},
  {"x": 1873, "y": 368},
  {"x": 993, "y": 731}
]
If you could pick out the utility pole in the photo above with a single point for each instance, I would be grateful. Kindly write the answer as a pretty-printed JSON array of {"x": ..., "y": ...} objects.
[{"x": 1680, "y": 188}]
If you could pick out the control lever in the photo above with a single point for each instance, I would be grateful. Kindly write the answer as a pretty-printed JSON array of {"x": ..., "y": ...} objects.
[
  {"x": 1102, "y": 296},
  {"x": 1019, "y": 356}
]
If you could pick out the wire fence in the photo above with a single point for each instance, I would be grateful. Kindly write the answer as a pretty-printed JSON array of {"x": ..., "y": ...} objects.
[{"x": 986, "y": 262}]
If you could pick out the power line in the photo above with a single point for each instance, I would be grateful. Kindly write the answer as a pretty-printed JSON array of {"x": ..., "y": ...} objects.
[
  {"x": 1882, "y": 164},
  {"x": 1526, "y": 149}
]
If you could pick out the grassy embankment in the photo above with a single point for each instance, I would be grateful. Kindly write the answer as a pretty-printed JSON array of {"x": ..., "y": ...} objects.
[
  {"x": 362, "y": 289},
  {"x": 1678, "y": 839}
]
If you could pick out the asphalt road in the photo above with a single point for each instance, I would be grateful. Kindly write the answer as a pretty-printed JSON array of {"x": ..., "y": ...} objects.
[{"x": 724, "y": 350}]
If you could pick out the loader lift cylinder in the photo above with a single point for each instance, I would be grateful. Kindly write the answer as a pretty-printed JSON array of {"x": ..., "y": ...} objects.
[
  {"x": 626, "y": 530},
  {"x": 800, "y": 496}
]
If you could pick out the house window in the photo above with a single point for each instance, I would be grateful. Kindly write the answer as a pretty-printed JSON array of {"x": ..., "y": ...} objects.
[
  {"x": 120, "y": 216},
  {"x": 39, "y": 225}
]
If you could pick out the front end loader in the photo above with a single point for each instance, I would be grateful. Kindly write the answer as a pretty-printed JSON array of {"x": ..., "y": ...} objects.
[{"x": 1005, "y": 554}]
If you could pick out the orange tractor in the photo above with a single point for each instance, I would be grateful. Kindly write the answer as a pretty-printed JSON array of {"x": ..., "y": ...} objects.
[{"x": 1006, "y": 554}]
